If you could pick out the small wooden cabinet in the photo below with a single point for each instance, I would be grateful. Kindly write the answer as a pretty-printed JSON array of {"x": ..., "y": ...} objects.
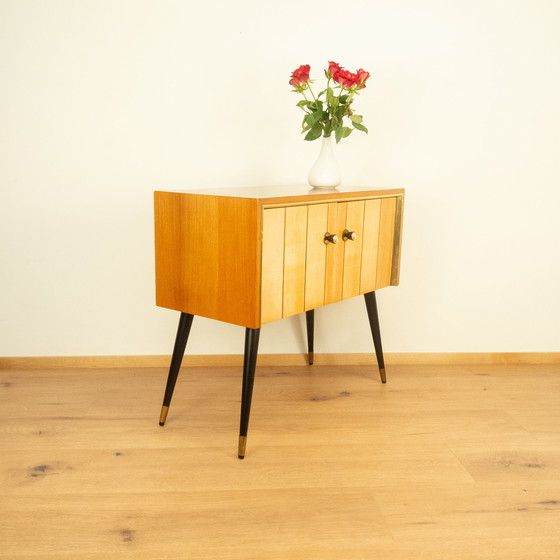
[{"x": 252, "y": 256}]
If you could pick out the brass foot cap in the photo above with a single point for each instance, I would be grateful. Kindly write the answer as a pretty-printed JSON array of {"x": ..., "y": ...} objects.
[
  {"x": 163, "y": 415},
  {"x": 310, "y": 358},
  {"x": 382, "y": 374},
  {"x": 241, "y": 447}
]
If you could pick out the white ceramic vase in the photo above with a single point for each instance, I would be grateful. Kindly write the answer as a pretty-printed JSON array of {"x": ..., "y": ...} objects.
[{"x": 325, "y": 173}]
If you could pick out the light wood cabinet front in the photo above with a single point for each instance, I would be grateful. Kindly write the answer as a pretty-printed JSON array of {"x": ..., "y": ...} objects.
[{"x": 301, "y": 272}]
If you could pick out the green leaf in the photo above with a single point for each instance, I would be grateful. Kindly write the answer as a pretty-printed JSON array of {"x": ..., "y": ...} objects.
[
  {"x": 342, "y": 132},
  {"x": 338, "y": 134},
  {"x": 334, "y": 122},
  {"x": 310, "y": 119},
  {"x": 303, "y": 103},
  {"x": 361, "y": 127},
  {"x": 356, "y": 118},
  {"x": 304, "y": 125},
  {"x": 332, "y": 100},
  {"x": 315, "y": 132}
]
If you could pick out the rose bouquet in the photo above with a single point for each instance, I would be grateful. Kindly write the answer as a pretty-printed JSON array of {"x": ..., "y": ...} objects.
[{"x": 325, "y": 113}]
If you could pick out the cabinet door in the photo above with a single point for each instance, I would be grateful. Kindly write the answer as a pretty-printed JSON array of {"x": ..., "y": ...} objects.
[
  {"x": 378, "y": 249},
  {"x": 335, "y": 253},
  {"x": 354, "y": 225},
  {"x": 301, "y": 272},
  {"x": 293, "y": 260},
  {"x": 316, "y": 255},
  {"x": 343, "y": 262},
  {"x": 272, "y": 265},
  {"x": 386, "y": 254},
  {"x": 295, "y": 244}
]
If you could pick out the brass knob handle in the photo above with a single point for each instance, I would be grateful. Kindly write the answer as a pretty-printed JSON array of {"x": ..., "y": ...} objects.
[
  {"x": 349, "y": 235},
  {"x": 330, "y": 238}
]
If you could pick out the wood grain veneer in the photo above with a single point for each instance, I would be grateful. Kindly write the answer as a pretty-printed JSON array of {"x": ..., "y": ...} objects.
[
  {"x": 250, "y": 258},
  {"x": 208, "y": 256}
]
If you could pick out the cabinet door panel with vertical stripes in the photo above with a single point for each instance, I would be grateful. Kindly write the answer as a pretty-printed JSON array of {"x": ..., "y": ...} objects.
[
  {"x": 272, "y": 271},
  {"x": 386, "y": 242},
  {"x": 315, "y": 261},
  {"x": 295, "y": 244},
  {"x": 335, "y": 253},
  {"x": 301, "y": 272},
  {"x": 353, "y": 249},
  {"x": 370, "y": 247}
]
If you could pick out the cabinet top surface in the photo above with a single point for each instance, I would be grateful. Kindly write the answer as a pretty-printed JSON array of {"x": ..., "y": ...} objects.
[{"x": 292, "y": 193}]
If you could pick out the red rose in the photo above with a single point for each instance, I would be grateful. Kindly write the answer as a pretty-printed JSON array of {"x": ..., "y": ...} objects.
[
  {"x": 300, "y": 76},
  {"x": 346, "y": 79},
  {"x": 362, "y": 78},
  {"x": 334, "y": 68}
]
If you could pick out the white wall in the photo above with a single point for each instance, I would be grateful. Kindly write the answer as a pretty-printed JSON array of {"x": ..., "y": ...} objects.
[{"x": 103, "y": 101}]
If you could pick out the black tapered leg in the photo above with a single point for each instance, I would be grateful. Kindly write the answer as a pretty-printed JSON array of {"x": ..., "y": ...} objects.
[
  {"x": 185, "y": 322},
  {"x": 249, "y": 365},
  {"x": 371, "y": 305},
  {"x": 310, "y": 321}
]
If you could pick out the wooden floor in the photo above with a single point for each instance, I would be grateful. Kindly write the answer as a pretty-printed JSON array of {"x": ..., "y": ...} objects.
[{"x": 443, "y": 462}]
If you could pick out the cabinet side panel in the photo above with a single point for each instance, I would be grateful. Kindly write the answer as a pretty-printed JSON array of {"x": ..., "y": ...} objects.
[
  {"x": 208, "y": 256},
  {"x": 316, "y": 256},
  {"x": 353, "y": 250},
  {"x": 186, "y": 262},
  {"x": 272, "y": 264},
  {"x": 239, "y": 261},
  {"x": 295, "y": 240},
  {"x": 386, "y": 236},
  {"x": 372, "y": 213},
  {"x": 335, "y": 253}
]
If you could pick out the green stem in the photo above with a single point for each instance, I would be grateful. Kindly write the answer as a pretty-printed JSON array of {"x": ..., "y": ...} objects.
[
  {"x": 348, "y": 102},
  {"x": 311, "y": 92},
  {"x": 350, "y": 99}
]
